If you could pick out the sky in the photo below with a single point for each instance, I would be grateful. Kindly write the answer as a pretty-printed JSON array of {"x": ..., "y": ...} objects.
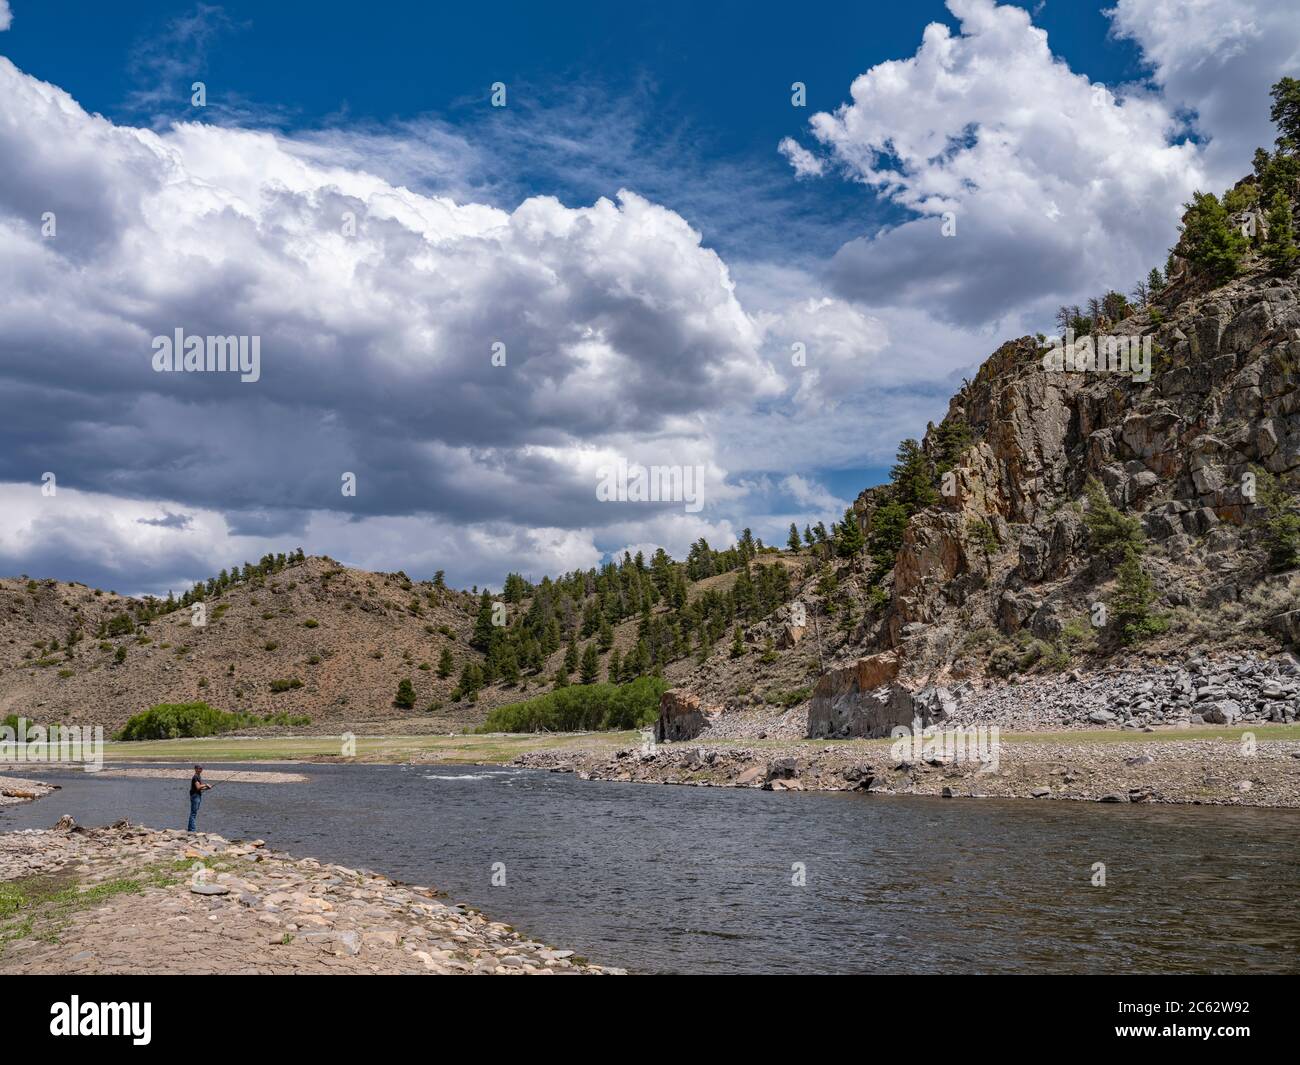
[{"x": 489, "y": 254}]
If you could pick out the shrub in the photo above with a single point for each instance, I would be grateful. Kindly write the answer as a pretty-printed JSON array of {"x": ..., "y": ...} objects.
[
  {"x": 170, "y": 721},
  {"x": 1113, "y": 533},
  {"x": 1131, "y": 612},
  {"x": 120, "y": 625},
  {"x": 582, "y": 708},
  {"x": 1281, "y": 520},
  {"x": 173, "y": 721},
  {"x": 405, "y": 697},
  {"x": 1208, "y": 239},
  {"x": 311, "y": 623},
  {"x": 285, "y": 684}
]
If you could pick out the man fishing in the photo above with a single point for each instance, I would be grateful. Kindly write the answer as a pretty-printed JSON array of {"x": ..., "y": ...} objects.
[{"x": 197, "y": 788}]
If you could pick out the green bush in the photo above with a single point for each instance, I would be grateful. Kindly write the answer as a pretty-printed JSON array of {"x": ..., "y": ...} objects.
[
  {"x": 174, "y": 721},
  {"x": 1112, "y": 532},
  {"x": 285, "y": 684},
  {"x": 583, "y": 708},
  {"x": 170, "y": 721}
]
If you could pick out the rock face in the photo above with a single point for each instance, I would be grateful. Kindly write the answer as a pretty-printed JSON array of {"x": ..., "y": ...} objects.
[
  {"x": 680, "y": 717},
  {"x": 1005, "y": 548},
  {"x": 864, "y": 699}
]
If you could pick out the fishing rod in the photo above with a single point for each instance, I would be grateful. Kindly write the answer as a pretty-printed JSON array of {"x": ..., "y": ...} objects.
[{"x": 225, "y": 780}]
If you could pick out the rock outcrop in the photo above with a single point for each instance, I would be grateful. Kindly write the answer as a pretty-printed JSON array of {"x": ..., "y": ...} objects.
[
  {"x": 864, "y": 699},
  {"x": 681, "y": 717}
]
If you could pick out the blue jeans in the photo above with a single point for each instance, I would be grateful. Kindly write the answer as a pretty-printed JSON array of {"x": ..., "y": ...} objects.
[{"x": 195, "y": 799}]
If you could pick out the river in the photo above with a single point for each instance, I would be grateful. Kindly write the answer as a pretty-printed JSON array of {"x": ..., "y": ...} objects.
[{"x": 656, "y": 878}]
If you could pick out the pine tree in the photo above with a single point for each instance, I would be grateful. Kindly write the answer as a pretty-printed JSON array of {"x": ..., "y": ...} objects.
[
  {"x": 590, "y": 665},
  {"x": 1285, "y": 112},
  {"x": 1155, "y": 282},
  {"x": 808, "y": 536},
  {"x": 484, "y": 630},
  {"x": 885, "y": 537},
  {"x": 1281, "y": 520},
  {"x": 405, "y": 697},
  {"x": 1208, "y": 240},
  {"x": 1113, "y": 533},
  {"x": 849, "y": 540},
  {"x": 508, "y": 667},
  {"x": 571, "y": 657},
  {"x": 615, "y": 666},
  {"x": 445, "y": 663},
  {"x": 737, "y": 644},
  {"x": 952, "y": 438},
  {"x": 1131, "y": 608},
  {"x": 910, "y": 478},
  {"x": 1280, "y": 249},
  {"x": 1114, "y": 306},
  {"x": 792, "y": 541}
]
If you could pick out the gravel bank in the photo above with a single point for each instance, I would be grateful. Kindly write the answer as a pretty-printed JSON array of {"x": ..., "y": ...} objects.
[
  {"x": 1157, "y": 767},
  {"x": 129, "y": 899}
]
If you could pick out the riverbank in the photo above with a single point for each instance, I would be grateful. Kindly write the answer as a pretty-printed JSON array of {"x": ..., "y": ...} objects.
[
  {"x": 17, "y": 789},
  {"x": 127, "y": 899},
  {"x": 1206, "y": 766}
]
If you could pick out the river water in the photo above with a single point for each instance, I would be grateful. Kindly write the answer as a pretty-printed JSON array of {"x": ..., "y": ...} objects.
[{"x": 655, "y": 878}]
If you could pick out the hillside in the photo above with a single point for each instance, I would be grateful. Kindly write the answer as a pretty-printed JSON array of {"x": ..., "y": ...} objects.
[
  {"x": 1066, "y": 515},
  {"x": 1000, "y": 564}
]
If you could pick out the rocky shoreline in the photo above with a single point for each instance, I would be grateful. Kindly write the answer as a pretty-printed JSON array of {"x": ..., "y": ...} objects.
[
  {"x": 1157, "y": 768},
  {"x": 128, "y": 899},
  {"x": 14, "y": 790}
]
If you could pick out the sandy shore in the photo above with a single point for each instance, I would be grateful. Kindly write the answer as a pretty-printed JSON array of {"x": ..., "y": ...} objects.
[
  {"x": 1098, "y": 767},
  {"x": 129, "y": 899}
]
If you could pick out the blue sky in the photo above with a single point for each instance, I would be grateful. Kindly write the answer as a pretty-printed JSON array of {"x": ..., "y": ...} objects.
[{"x": 1062, "y": 136}]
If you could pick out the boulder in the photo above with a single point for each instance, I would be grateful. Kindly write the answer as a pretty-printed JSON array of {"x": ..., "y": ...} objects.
[
  {"x": 876, "y": 670},
  {"x": 680, "y": 717},
  {"x": 844, "y": 706},
  {"x": 790, "y": 635}
]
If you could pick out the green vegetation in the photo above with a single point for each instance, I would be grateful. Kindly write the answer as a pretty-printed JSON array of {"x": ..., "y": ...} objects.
[
  {"x": 1113, "y": 533},
  {"x": 285, "y": 684},
  {"x": 1280, "y": 248},
  {"x": 170, "y": 721},
  {"x": 42, "y": 906},
  {"x": 1209, "y": 240},
  {"x": 1131, "y": 615},
  {"x": 445, "y": 663},
  {"x": 1281, "y": 520},
  {"x": 405, "y": 697},
  {"x": 787, "y": 699},
  {"x": 585, "y": 708}
]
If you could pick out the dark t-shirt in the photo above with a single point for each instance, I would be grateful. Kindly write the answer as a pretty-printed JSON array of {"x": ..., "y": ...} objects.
[{"x": 194, "y": 784}]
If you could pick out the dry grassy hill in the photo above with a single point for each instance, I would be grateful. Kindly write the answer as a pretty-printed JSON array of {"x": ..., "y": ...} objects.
[{"x": 348, "y": 636}]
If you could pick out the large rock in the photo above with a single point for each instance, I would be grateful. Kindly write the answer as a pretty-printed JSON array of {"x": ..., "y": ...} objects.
[
  {"x": 789, "y": 636},
  {"x": 681, "y": 717},
  {"x": 864, "y": 699},
  {"x": 876, "y": 670}
]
